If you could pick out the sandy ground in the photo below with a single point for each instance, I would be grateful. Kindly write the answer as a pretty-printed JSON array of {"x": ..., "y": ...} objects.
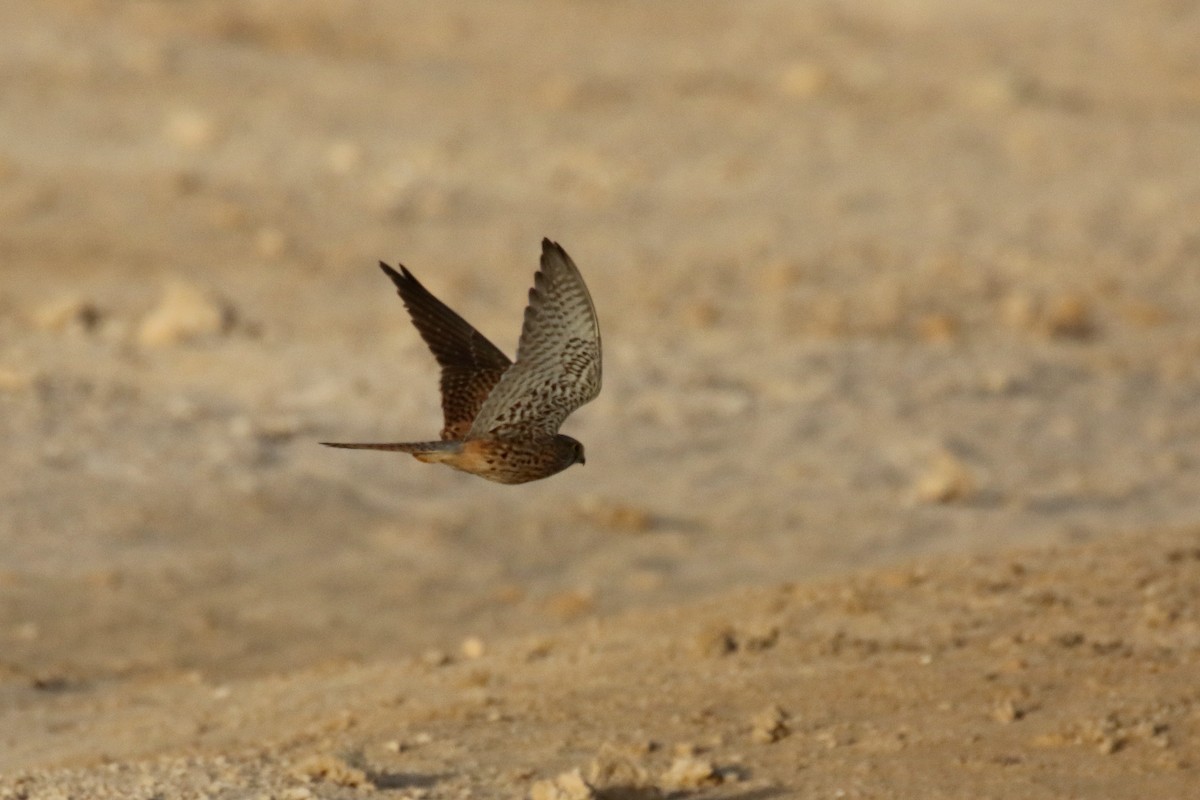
[{"x": 893, "y": 489}]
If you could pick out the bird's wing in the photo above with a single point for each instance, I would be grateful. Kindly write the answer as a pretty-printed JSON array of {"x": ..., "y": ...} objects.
[
  {"x": 471, "y": 365},
  {"x": 558, "y": 360}
]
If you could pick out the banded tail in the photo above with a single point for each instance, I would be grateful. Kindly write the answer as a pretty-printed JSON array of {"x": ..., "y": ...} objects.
[{"x": 432, "y": 451}]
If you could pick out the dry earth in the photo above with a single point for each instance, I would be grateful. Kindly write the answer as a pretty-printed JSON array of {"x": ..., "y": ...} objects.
[{"x": 899, "y": 434}]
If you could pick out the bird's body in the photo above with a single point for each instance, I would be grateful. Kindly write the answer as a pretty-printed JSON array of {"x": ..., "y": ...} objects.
[{"x": 501, "y": 418}]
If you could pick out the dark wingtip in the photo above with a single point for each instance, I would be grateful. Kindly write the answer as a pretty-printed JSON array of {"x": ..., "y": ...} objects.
[
  {"x": 391, "y": 273},
  {"x": 551, "y": 248}
]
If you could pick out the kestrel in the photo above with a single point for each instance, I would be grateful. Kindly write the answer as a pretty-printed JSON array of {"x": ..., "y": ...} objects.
[{"x": 501, "y": 418}]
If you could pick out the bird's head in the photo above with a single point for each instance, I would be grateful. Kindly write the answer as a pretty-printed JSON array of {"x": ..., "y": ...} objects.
[{"x": 570, "y": 449}]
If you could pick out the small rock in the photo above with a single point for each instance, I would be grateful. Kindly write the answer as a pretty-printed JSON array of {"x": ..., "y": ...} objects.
[
  {"x": 716, "y": 640},
  {"x": 769, "y": 725},
  {"x": 615, "y": 769},
  {"x": 1069, "y": 317},
  {"x": 1007, "y": 711},
  {"x": 946, "y": 480},
  {"x": 473, "y": 647},
  {"x": 689, "y": 773},
  {"x": 184, "y": 313},
  {"x": 332, "y": 769},
  {"x": 567, "y": 786},
  {"x": 66, "y": 313}
]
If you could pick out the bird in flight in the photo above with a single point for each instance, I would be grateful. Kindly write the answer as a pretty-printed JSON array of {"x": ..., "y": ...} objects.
[{"x": 501, "y": 418}]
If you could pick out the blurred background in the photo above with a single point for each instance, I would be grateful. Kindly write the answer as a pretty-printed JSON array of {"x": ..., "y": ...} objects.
[{"x": 875, "y": 279}]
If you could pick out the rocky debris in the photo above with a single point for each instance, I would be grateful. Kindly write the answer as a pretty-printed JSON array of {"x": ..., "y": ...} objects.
[
  {"x": 1008, "y": 711},
  {"x": 716, "y": 640},
  {"x": 331, "y": 769},
  {"x": 945, "y": 480},
  {"x": 184, "y": 313},
  {"x": 67, "y": 313},
  {"x": 616, "y": 771},
  {"x": 689, "y": 772},
  {"x": 723, "y": 639},
  {"x": 473, "y": 648},
  {"x": 567, "y": 786},
  {"x": 769, "y": 725},
  {"x": 1068, "y": 317}
]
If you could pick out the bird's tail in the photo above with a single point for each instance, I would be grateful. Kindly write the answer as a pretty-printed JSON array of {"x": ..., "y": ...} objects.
[{"x": 425, "y": 451}]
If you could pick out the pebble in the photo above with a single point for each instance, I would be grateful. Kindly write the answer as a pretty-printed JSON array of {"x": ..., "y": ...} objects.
[
  {"x": 688, "y": 772},
  {"x": 331, "y": 769},
  {"x": 567, "y": 786},
  {"x": 1069, "y": 317},
  {"x": 70, "y": 312},
  {"x": 473, "y": 647},
  {"x": 716, "y": 640},
  {"x": 945, "y": 480},
  {"x": 184, "y": 313},
  {"x": 616, "y": 768},
  {"x": 769, "y": 725}
]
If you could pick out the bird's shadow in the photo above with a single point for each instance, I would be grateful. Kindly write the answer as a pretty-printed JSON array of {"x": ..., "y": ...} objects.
[
  {"x": 384, "y": 779},
  {"x": 634, "y": 792}
]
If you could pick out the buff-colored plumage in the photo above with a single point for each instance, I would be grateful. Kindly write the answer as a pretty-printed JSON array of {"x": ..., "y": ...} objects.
[{"x": 500, "y": 418}]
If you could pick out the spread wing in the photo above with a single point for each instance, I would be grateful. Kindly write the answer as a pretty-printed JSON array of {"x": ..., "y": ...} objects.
[
  {"x": 471, "y": 365},
  {"x": 558, "y": 360}
]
